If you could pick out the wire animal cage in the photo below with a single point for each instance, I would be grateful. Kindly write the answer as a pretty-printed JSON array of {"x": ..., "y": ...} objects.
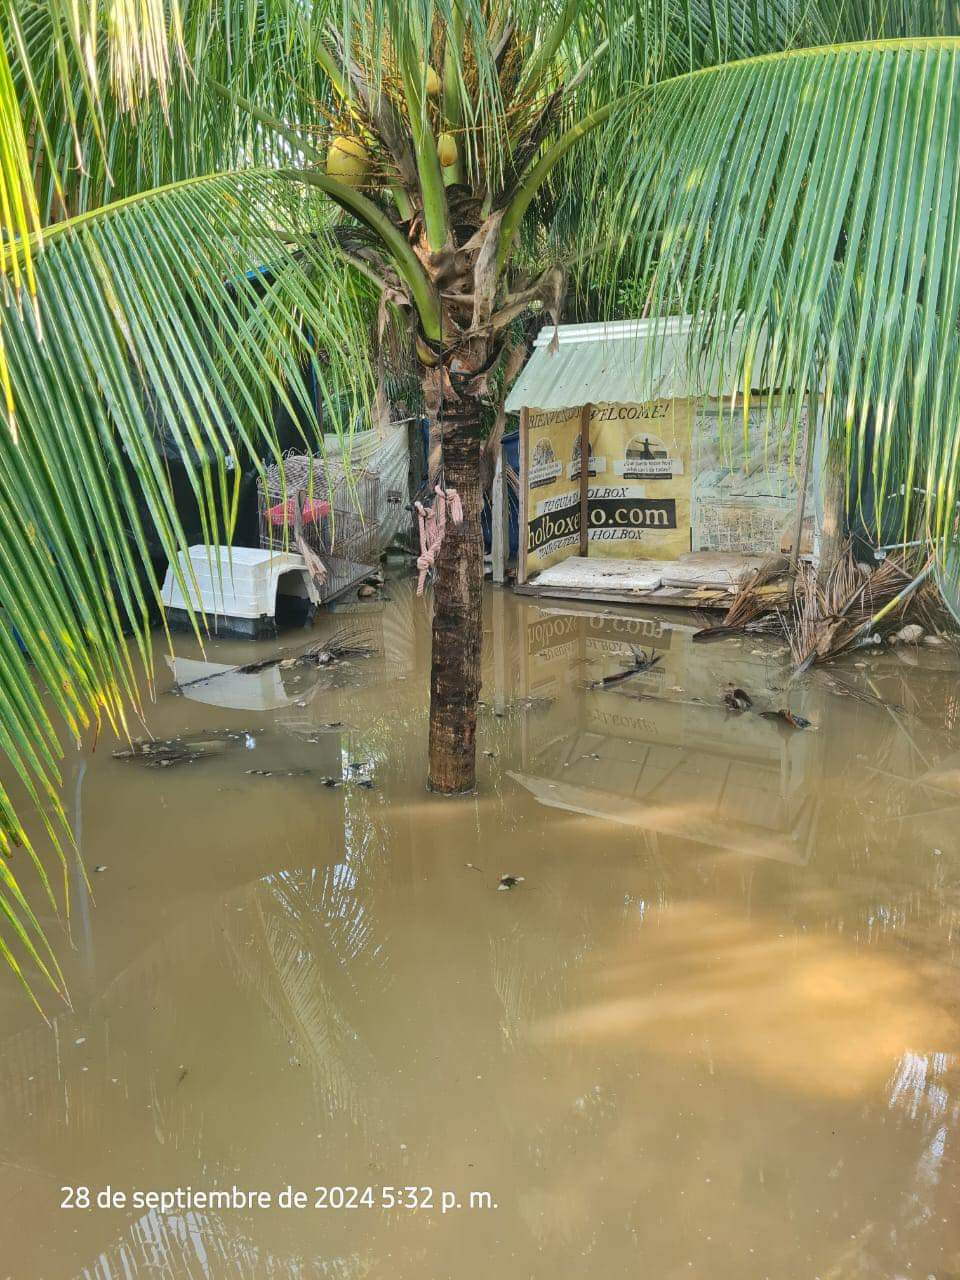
[{"x": 331, "y": 516}]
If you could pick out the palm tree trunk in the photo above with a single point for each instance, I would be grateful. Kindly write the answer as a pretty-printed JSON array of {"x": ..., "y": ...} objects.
[{"x": 457, "y": 603}]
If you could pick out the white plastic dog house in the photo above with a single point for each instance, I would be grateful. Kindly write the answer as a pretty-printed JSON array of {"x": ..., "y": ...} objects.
[{"x": 237, "y": 589}]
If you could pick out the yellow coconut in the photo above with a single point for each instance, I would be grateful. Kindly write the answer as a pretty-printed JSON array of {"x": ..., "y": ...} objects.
[
  {"x": 447, "y": 149},
  {"x": 432, "y": 83},
  {"x": 348, "y": 161}
]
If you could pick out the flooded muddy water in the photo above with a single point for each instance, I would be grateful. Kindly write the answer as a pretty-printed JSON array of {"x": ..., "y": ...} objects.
[{"x": 713, "y": 1031}]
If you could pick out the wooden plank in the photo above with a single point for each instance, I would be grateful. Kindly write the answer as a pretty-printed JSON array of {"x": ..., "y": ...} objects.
[
  {"x": 522, "y": 529},
  {"x": 415, "y": 472},
  {"x": 721, "y": 569},
  {"x": 672, "y": 597},
  {"x": 500, "y": 532},
  {"x": 833, "y": 527},
  {"x": 813, "y": 416},
  {"x": 585, "y": 412},
  {"x": 500, "y": 641}
]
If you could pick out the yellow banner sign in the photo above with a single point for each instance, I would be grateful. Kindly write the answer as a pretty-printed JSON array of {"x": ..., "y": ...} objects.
[
  {"x": 553, "y": 492},
  {"x": 638, "y": 482},
  {"x": 639, "y": 486}
]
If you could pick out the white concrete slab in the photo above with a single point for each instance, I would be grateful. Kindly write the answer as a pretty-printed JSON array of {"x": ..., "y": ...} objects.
[
  {"x": 712, "y": 569},
  {"x": 591, "y": 573}
]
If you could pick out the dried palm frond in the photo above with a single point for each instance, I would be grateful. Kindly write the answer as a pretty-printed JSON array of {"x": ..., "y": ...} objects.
[
  {"x": 801, "y": 624},
  {"x": 760, "y": 591},
  {"x": 930, "y": 609},
  {"x": 321, "y": 653},
  {"x": 829, "y": 619},
  {"x": 641, "y": 662},
  {"x": 345, "y": 644},
  {"x": 761, "y": 594},
  {"x": 835, "y": 684}
]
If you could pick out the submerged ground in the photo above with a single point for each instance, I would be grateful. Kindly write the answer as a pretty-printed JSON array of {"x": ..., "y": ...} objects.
[{"x": 714, "y": 1031}]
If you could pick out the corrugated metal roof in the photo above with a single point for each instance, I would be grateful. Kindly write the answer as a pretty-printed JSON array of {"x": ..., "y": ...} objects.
[{"x": 574, "y": 364}]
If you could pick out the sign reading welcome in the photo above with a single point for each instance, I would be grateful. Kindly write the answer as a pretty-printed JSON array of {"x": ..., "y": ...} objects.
[
  {"x": 639, "y": 481},
  {"x": 664, "y": 477}
]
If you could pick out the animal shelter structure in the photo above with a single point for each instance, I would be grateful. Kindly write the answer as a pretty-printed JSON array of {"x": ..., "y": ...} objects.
[
  {"x": 323, "y": 521},
  {"x": 679, "y": 496},
  {"x": 327, "y": 512},
  {"x": 237, "y": 591}
]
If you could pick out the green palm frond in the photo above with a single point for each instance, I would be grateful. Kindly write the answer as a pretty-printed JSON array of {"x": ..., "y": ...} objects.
[
  {"x": 806, "y": 204},
  {"x": 178, "y": 314},
  {"x": 846, "y": 20},
  {"x": 682, "y": 36},
  {"x": 139, "y": 43},
  {"x": 80, "y": 67},
  {"x": 92, "y": 145},
  {"x": 18, "y": 210}
]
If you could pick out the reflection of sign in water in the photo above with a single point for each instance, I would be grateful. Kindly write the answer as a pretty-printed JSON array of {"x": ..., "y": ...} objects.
[
  {"x": 551, "y": 633},
  {"x": 640, "y": 631},
  {"x": 600, "y": 719},
  {"x": 544, "y": 465},
  {"x": 607, "y": 632}
]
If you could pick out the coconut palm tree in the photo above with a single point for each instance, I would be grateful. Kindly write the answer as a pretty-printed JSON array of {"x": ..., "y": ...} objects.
[{"x": 787, "y": 169}]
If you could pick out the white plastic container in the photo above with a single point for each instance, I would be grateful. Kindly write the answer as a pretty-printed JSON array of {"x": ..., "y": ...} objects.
[{"x": 237, "y": 589}]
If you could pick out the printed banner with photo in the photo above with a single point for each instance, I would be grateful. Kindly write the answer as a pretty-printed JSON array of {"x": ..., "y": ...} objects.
[
  {"x": 665, "y": 477},
  {"x": 639, "y": 491},
  {"x": 639, "y": 482},
  {"x": 553, "y": 491}
]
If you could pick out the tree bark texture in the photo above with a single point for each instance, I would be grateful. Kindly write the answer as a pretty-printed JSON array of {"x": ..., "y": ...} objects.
[
  {"x": 833, "y": 530},
  {"x": 457, "y": 611}
]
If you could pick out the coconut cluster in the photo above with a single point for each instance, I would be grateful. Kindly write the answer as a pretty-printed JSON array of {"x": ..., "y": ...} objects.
[{"x": 349, "y": 161}]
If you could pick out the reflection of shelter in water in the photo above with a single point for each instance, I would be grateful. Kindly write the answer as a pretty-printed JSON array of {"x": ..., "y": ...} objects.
[
  {"x": 390, "y": 634},
  {"x": 660, "y": 751},
  {"x": 220, "y": 685}
]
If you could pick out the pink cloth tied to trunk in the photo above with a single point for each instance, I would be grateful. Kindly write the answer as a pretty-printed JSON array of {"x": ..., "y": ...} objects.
[{"x": 433, "y": 525}]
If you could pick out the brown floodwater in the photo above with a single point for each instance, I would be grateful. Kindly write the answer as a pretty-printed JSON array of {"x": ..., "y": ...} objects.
[{"x": 713, "y": 1031}]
